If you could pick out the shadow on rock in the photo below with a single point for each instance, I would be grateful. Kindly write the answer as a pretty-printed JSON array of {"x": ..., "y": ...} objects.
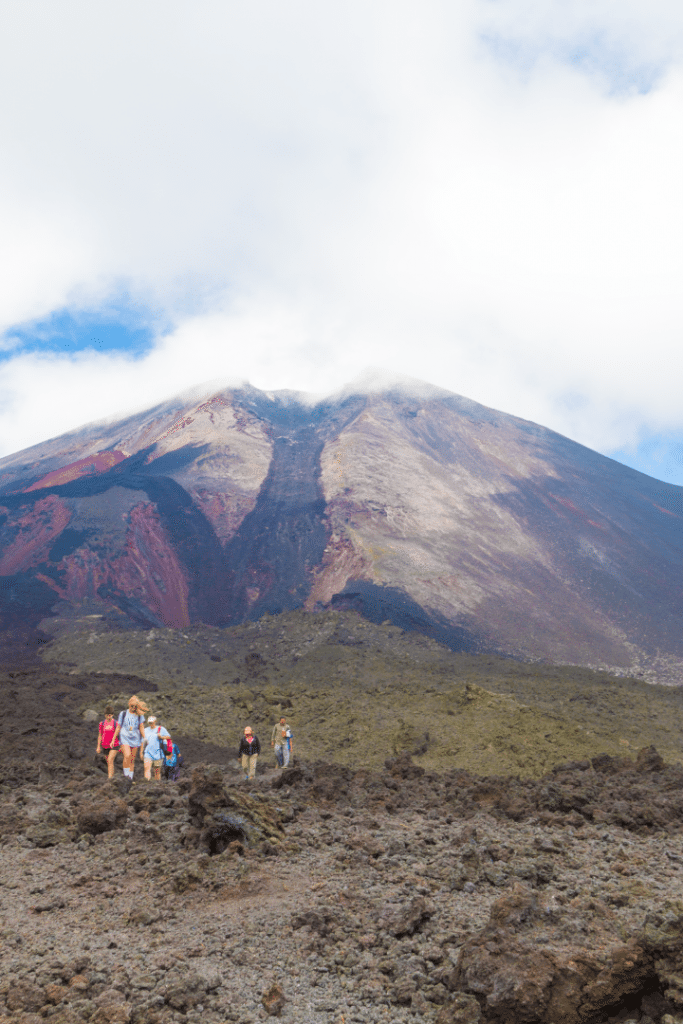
[{"x": 221, "y": 818}]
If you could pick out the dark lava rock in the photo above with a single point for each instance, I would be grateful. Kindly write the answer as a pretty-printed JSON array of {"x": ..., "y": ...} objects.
[
  {"x": 273, "y": 1000},
  {"x": 516, "y": 978},
  {"x": 207, "y": 795},
  {"x": 649, "y": 760},
  {"x": 24, "y": 995},
  {"x": 221, "y": 817},
  {"x": 406, "y": 919},
  {"x": 662, "y": 937},
  {"x": 320, "y": 922},
  {"x": 402, "y": 767},
  {"x": 464, "y": 1009},
  {"x": 105, "y": 814},
  {"x": 220, "y": 831},
  {"x": 44, "y": 835}
]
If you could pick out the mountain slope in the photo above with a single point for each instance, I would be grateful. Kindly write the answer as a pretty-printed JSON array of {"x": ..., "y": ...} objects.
[{"x": 417, "y": 506}]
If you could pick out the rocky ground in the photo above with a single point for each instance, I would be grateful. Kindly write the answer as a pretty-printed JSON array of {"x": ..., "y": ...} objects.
[
  {"x": 461, "y": 839},
  {"x": 329, "y": 894}
]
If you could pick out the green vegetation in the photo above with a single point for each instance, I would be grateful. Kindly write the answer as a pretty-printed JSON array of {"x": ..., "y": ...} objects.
[{"x": 357, "y": 693}]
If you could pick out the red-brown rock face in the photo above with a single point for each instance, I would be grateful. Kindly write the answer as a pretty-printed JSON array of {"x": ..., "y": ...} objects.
[
  {"x": 98, "y": 463},
  {"x": 30, "y": 533},
  {"x": 480, "y": 529}
]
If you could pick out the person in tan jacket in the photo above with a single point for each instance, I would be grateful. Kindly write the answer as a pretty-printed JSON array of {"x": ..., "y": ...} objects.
[{"x": 281, "y": 742}]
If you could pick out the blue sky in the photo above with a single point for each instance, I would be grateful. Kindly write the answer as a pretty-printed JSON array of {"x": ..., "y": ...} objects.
[
  {"x": 660, "y": 456},
  {"x": 68, "y": 331},
  {"x": 485, "y": 196}
]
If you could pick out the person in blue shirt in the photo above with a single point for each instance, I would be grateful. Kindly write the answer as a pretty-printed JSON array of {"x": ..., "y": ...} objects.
[
  {"x": 153, "y": 755},
  {"x": 130, "y": 733}
]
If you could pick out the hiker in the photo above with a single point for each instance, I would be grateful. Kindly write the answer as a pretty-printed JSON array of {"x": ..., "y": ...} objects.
[
  {"x": 154, "y": 751},
  {"x": 107, "y": 739},
  {"x": 129, "y": 731},
  {"x": 281, "y": 741},
  {"x": 173, "y": 762},
  {"x": 250, "y": 748}
]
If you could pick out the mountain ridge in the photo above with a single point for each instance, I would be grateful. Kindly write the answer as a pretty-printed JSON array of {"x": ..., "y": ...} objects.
[{"x": 411, "y": 504}]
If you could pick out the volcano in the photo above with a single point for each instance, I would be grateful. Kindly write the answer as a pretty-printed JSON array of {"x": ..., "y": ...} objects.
[{"x": 413, "y": 505}]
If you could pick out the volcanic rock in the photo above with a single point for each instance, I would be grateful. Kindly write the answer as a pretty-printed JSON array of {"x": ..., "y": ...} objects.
[
  {"x": 108, "y": 813},
  {"x": 222, "y": 818},
  {"x": 558, "y": 922},
  {"x": 273, "y": 1000},
  {"x": 406, "y": 920}
]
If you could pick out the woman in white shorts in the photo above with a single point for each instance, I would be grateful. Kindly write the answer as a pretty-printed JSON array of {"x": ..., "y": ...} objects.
[
  {"x": 130, "y": 733},
  {"x": 153, "y": 754}
]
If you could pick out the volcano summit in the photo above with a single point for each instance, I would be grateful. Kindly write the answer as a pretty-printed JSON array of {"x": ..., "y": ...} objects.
[{"x": 414, "y": 505}]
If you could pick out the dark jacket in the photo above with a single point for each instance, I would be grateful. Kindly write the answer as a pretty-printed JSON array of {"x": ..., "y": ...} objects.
[{"x": 250, "y": 748}]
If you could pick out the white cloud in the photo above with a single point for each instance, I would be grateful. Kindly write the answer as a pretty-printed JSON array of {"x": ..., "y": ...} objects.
[{"x": 471, "y": 194}]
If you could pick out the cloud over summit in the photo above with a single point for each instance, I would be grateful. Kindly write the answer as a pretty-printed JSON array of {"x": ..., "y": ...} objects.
[{"x": 486, "y": 197}]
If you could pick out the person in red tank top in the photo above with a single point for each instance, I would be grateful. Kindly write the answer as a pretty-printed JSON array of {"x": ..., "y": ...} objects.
[{"x": 107, "y": 740}]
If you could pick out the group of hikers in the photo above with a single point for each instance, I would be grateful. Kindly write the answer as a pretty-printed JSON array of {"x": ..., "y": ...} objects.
[
  {"x": 129, "y": 734},
  {"x": 153, "y": 744},
  {"x": 281, "y": 741}
]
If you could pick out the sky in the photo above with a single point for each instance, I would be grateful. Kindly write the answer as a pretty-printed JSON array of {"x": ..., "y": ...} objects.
[{"x": 485, "y": 195}]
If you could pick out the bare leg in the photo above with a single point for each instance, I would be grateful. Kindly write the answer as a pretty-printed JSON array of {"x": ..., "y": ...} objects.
[
  {"x": 128, "y": 757},
  {"x": 111, "y": 757},
  {"x": 148, "y": 769}
]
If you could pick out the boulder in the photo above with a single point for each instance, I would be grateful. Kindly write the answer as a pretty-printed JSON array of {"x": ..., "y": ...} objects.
[
  {"x": 221, "y": 818},
  {"x": 273, "y": 1000},
  {"x": 100, "y": 816},
  {"x": 44, "y": 835},
  {"x": 25, "y": 995},
  {"x": 649, "y": 760},
  {"x": 514, "y": 972},
  {"x": 662, "y": 937},
  {"x": 207, "y": 795},
  {"x": 407, "y": 918}
]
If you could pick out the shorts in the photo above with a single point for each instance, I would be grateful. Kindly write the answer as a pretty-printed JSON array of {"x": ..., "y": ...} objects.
[
  {"x": 105, "y": 750},
  {"x": 157, "y": 763}
]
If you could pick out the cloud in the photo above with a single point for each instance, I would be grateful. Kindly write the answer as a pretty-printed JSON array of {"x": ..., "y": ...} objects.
[
  {"x": 623, "y": 45},
  {"x": 483, "y": 195}
]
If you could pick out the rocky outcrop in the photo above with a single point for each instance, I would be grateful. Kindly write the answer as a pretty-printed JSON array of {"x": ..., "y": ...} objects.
[
  {"x": 222, "y": 818},
  {"x": 107, "y": 813},
  {"x": 520, "y": 966}
]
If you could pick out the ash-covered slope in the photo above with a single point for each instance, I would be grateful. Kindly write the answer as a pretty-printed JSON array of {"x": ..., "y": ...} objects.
[{"x": 417, "y": 506}]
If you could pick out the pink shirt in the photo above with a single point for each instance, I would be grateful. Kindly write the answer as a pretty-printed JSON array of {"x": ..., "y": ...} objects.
[{"x": 107, "y": 730}]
